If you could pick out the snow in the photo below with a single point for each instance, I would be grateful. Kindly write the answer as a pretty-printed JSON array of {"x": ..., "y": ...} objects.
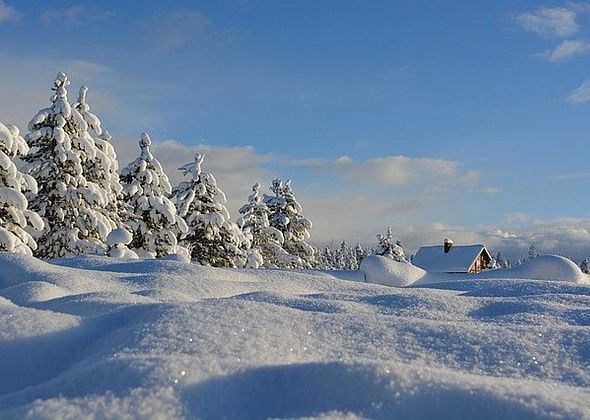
[
  {"x": 383, "y": 270},
  {"x": 458, "y": 260},
  {"x": 550, "y": 267},
  {"x": 98, "y": 337},
  {"x": 119, "y": 236}
]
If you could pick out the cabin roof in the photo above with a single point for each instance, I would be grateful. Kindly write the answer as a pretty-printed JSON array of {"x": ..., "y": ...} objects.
[{"x": 459, "y": 259}]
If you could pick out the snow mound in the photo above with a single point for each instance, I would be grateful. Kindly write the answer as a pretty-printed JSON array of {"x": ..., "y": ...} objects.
[
  {"x": 383, "y": 270},
  {"x": 550, "y": 267},
  {"x": 34, "y": 291},
  {"x": 183, "y": 258},
  {"x": 162, "y": 339},
  {"x": 119, "y": 236}
]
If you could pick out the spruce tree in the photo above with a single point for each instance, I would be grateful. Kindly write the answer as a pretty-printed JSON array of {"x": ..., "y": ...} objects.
[
  {"x": 286, "y": 216},
  {"x": 15, "y": 217},
  {"x": 585, "y": 266},
  {"x": 155, "y": 223},
  {"x": 359, "y": 254},
  {"x": 389, "y": 247},
  {"x": 325, "y": 259},
  {"x": 532, "y": 251},
  {"x": 265, "y": 241},
  {"x": 212, "y": 238},
  {"x": 67, "y": 202},
  {"x": 103, "y": 168}
]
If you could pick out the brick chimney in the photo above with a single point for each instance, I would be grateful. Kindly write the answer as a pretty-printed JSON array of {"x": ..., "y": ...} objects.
[{"x": 448, "y": 244}]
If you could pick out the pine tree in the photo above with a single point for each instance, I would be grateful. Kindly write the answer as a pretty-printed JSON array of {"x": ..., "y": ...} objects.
[
  {"x": 532, "y": 251},
  {"x": 286, "y": 216},
  {"x": 325, "y": 259},
  {"x": 501, "y": 261},
  {"x": 345, "y": 257},
  {"x": 359, "y": 254},
  {"x": 213, "y": 239},
  {"x": 15, "y": 217},
  {"x": 390, "y": 248},
  {"x": 67, "y": 202},
  {"x": 265, "y": 241},
  {"x": 156, "y": 225},
  {"x": 585, "y": 266},
  {"x": 103, "y": 168}
]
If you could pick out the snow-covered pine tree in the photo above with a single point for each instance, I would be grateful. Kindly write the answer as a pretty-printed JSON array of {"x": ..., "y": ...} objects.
[
  {"x": 67, "y": 202},
  {"x": 156, "y": 225},
  {"x": 532, "y": 251},
  {"x": 389, "y": 247},
  {"x": 103, "y": 168},
  {"x": 345, "y": 258},
  {"x": 585, "y": 266},
  {"x": 212, "y": 238},
  {"x": 15, "y": 218},
  {"x": 265, "y": 241},
  {"x": 359, "y": 254},
  {"x": 501, "y": 261},
  {"x": 324, "y": 259},
  {"x": 286, "y": 216}
]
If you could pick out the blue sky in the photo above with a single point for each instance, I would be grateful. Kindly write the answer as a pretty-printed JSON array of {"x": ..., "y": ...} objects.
[{"x": 466, "y": 119}]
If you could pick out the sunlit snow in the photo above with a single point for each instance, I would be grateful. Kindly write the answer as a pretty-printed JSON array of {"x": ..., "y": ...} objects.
[{"x": 97, "y": 336}]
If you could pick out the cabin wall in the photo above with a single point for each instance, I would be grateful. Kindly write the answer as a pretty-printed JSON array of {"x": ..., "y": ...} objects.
[{"x": 480, "y": 264}]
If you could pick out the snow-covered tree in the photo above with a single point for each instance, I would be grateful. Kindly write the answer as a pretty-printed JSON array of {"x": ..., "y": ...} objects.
[
  {"x": 585, "y": 266},
  {"x": 212, "y": 238},
  {"x": 117, "y": 242},
  {"x": 532, "y": 251},
  {"x": 66, "y": 200},
  {"x": 360, "y": 254},
  {"x": 389, "y": 247},
  {"x": 156, "y": 226},
  {"x": 346, "y": 257},
  {"x": 286, "y": 216},
  {"x": 324, "y": 259},
  {"x": 103, "y": 168},
  {"x": 15, "y": 218},
  {"x": 501, "y": 262},
  {"x": 265, "y": 241}
]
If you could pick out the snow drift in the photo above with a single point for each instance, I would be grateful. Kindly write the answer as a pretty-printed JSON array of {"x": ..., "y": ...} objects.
[
  {"x": 101, "y": 337},
  {"x": 385, "y": 271}
]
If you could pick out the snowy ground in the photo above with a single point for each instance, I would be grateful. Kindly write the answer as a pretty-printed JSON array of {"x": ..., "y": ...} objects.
[{"x": 92, "y": 335}]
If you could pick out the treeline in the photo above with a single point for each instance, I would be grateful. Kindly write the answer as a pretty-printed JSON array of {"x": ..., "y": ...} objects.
[{"x": 70, "y": 198}]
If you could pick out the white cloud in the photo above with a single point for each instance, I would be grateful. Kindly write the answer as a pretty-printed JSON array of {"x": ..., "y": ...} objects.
[
  {"x": 175, "y": 29},
  {"x": 566, "y": 50},
  {"x": 565, "y": 236},
  {"x": 549, "y": 21},
  {"x": 581, "y": 93},
  {"x": 7, "y": 12},
  {"x": 395, "y": 170},
  {"x": 76, "y": 15}
]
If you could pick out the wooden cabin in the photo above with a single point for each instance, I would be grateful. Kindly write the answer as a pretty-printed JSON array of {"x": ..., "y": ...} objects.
[{"x": 450, "y": 258}]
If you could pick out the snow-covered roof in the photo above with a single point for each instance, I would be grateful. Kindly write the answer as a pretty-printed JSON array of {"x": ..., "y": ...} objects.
[{"x": 459, "y": 259}]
